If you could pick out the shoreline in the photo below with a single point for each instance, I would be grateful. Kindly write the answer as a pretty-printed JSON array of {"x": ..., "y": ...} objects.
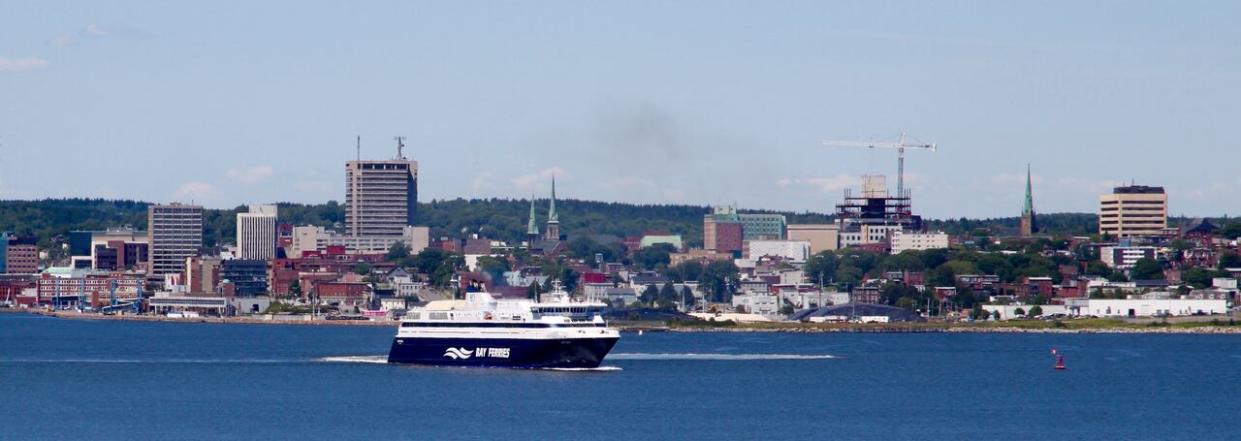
[{"x": 801, "y": 328}]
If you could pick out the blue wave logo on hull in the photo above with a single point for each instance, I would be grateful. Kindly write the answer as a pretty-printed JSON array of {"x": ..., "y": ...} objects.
[{"x": 458, "y": 353}]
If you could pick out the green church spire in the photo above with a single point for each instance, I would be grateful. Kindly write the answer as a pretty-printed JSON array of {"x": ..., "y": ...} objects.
[
  {"x": 532, "y": 228},
  {"x": 1029, "y": 208},
  {"x": 551, "y": 211}
]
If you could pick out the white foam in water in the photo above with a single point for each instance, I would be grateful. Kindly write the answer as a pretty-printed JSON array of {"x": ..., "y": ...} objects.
[
  {"x": 725, "y": 357},
  {"x": 372, "y": 359}
]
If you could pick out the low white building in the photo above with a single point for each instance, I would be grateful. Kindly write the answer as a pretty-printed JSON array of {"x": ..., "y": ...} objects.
[
  {"x": 311, "y": 238},
  {"x": 1145, "y": 307},
  {"x": 902, "y": 241},
  {"x": 793, "y": 250},
  {"x": 762, "y": 304},
  {"x": 1008, "y": 312}
]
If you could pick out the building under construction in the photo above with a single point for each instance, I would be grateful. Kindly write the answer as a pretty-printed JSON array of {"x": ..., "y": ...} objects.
[{"x": 871, "y": 217}]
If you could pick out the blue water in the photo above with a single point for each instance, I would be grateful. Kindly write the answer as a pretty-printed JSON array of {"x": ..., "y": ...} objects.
[{"x": 104, "y": 380}]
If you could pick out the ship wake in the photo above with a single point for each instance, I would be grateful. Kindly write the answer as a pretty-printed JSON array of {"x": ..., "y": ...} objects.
[
  {"x": 716, "y": 356},
  {"x": 366, "y": 359}
]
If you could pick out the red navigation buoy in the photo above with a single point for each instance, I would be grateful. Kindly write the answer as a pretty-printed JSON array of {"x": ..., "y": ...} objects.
[{"x": 1060, "y": 362}]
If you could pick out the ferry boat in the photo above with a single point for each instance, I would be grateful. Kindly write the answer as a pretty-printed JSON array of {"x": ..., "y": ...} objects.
[{"x": 518, "y": 333}]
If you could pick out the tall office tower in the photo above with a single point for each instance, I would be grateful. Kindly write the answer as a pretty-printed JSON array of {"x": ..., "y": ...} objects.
[
  {"x": 256, "y": 233},
  {"x": 381, "y": 197},
  {"x": 175, "y": 232},
  {"x": 1133, "y": 211}
]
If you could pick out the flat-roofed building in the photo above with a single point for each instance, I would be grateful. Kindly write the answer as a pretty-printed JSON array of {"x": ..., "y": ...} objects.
[
  {"x": 175, "y": 233},
  {"x": 1133, "y": 211},
  {"x": 256, "y": 233},
  {"x": 381, "y": 197}
]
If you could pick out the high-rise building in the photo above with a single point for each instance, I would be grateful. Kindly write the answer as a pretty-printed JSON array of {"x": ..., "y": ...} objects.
[
  {"x": 256, "y": 233},
  {"x": 1133, "y": 211},
  {"x": 1028, "y": 226},
  {"x": 175, "y": 232},
  {"x": 381, "y": 197}
]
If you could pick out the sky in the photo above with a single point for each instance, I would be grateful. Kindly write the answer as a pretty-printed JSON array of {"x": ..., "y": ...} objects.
[{"x": 224, "y": 103}]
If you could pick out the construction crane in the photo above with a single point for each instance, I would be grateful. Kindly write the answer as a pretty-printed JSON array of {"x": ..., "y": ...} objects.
[{"x": 900, "y": 147}]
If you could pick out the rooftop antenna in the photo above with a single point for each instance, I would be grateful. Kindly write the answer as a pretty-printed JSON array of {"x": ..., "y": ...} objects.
[
  {"x": 400, "y": 147},
  {"x": 359, "y": 147}
]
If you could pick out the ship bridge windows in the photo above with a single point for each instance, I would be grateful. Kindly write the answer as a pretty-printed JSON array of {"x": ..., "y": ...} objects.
[{"x": 567, "y": 310}]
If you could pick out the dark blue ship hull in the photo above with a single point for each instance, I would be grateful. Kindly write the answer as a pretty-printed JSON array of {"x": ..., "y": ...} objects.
[{"x": 508, "y": 352}]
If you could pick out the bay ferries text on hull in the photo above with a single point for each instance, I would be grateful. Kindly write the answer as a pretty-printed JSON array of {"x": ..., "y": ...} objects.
[{"x": 484, "y": 331}]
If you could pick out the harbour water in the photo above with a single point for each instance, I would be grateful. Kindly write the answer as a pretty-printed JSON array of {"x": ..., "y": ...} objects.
[{"x": 109, "y": 380}]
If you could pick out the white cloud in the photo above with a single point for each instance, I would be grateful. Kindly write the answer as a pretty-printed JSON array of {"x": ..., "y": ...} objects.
[
  {"x": 250, "y": 175},
  {"x": 22, "y": 64},
  {"x": 482, "y": 181},
  {"x": 95, "y": 31},
  {"x": 824, "y": 184},
  {"x": 526, "y": 182},
  {"x": 195, "y": 191}
]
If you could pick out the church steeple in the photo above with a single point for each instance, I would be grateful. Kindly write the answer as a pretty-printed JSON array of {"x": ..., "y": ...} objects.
[
  {"x": 553, "y": 222},
  {"x": 551, "y": 213},
  {"x": 532, "y": 228},
  {"x": 1028, "y": 226}
]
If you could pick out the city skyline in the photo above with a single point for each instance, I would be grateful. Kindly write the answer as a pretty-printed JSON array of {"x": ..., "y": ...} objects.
[{"x": 264, "y": 106}]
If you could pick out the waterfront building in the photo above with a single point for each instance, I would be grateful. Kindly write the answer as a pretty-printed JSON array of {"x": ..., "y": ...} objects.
[
  {"x": 175, "y": 233},
  {"x": 1133, "y": 211},
  {"x": 256, "y": 233},
  {"x": 1028, "y": 225},
  {"x": 902, "y": 241},
  {"x": 822, "y": 237},
  {"x": 1145, "y": 307},
  {"x": 68, "y": 286},
  {"x": 381, "y": 197}
]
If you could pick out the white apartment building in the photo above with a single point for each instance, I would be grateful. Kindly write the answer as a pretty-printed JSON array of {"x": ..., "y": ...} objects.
[
  {"x": 256, "y": 233},
  {"x": 902, "y": 241}
]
